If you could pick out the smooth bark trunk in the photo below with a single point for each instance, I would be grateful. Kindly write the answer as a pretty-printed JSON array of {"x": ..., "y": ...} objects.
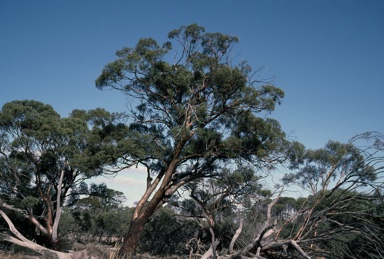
[
  {"x": 214, "y": 243},
  {"x": 236, "y": 236},
  {"x": 133, "y": 237},
  {"x": 139, "y": 219},
  {"x": 58, "y": 208},
  {"x": 145, "y": 208}
]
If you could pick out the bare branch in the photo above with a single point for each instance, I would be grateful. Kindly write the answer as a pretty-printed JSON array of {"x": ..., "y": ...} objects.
[
  {"x": 20, "y": 240},
  {"x": 236, "y": 236}
]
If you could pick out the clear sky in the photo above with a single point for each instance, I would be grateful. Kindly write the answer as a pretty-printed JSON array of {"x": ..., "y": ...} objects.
[{"x": 328, "y": 56}]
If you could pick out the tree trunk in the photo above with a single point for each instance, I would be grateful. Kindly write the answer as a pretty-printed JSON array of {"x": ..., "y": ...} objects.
[
  {"x": 58, "y": 207},
  {"x": 236, "y": 236},
  {"x": 139, "y": 219},
  {"x": 133, "y": 237},
  {"x": 214, "y": 242},
  {"x": 145, "y": 208}
]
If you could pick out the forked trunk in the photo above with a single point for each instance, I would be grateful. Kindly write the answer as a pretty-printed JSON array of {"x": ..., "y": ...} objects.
[{"x": 145, "y": 209}]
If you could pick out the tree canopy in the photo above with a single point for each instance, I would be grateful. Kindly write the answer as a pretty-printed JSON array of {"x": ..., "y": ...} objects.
[
  {"x": 195, "y": 110},
  {"x": 43, "y": 157}
]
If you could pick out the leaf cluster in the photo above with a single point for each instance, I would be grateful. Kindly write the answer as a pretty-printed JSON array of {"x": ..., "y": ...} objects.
[{"x": 194, "y": 104}]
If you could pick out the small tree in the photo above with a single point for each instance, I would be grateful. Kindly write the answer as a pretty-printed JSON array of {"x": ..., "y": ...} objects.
[
  {"x": 42, "y": 156},
  {"x": 343, "y": 210},
  {"x": 215, "y": 196},
  {"x": 342, "y": 216},
  {"x": 195, "y": 111}
]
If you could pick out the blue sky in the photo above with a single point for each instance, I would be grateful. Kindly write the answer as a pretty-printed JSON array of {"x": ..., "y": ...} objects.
[{"x": 328, "y": 56}]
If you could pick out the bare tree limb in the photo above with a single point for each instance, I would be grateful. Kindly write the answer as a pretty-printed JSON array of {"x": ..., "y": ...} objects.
[
  {"x": 58, "y": 206},
  {"x": 291, "y": 243},
  {"x": 210, "y": 251},
  {"x": 266, "y": 229},
  {"x": 26, "y": 215},
  {"x": 236, "y": 236},
  {"x": 20, "y": 240}
]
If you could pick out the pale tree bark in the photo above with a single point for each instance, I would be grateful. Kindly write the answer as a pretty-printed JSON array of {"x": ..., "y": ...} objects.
[
  {"x": 236, "y": 236},
  {"x": 266, "y": 230},
  {"x": 58, "y": 208},
  {"x": 211, "y": 251},
  {"x": 152, "y": 200},
  {"x": 254, "y": 248},
  {"x": 51, "y": 230},
  {"x": 291, "y": 243},
  {"x": 26, "y": 215},
  {"x": 19, "y": 239}
]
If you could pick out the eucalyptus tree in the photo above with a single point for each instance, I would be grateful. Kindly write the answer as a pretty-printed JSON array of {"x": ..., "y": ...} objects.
[
  {"x": 220, "y": 197},
  {"x": 43, "y": 156},
  {"x": 194, "y": 108},
  {"x": 343, "y": 215}
]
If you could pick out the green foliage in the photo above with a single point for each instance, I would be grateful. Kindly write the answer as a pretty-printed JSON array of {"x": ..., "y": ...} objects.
[
  {"x": 353, "y": 219},
  {"x": 342, "y": 215},
  {"x": 97, "y": 214},
  {"x": 37, "y": 147},
  {"x": 215, "y": 203},
  {"x": 336, "y": 161},
  {"x": 30, "y": 201},
  {"x": 197, "y": 111},
  {"x": 190, "y": 103},
  {"x": 165, "y": 234},
  {"x": 95, "y": 196},
  {"x": 284, "y": 207}
]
